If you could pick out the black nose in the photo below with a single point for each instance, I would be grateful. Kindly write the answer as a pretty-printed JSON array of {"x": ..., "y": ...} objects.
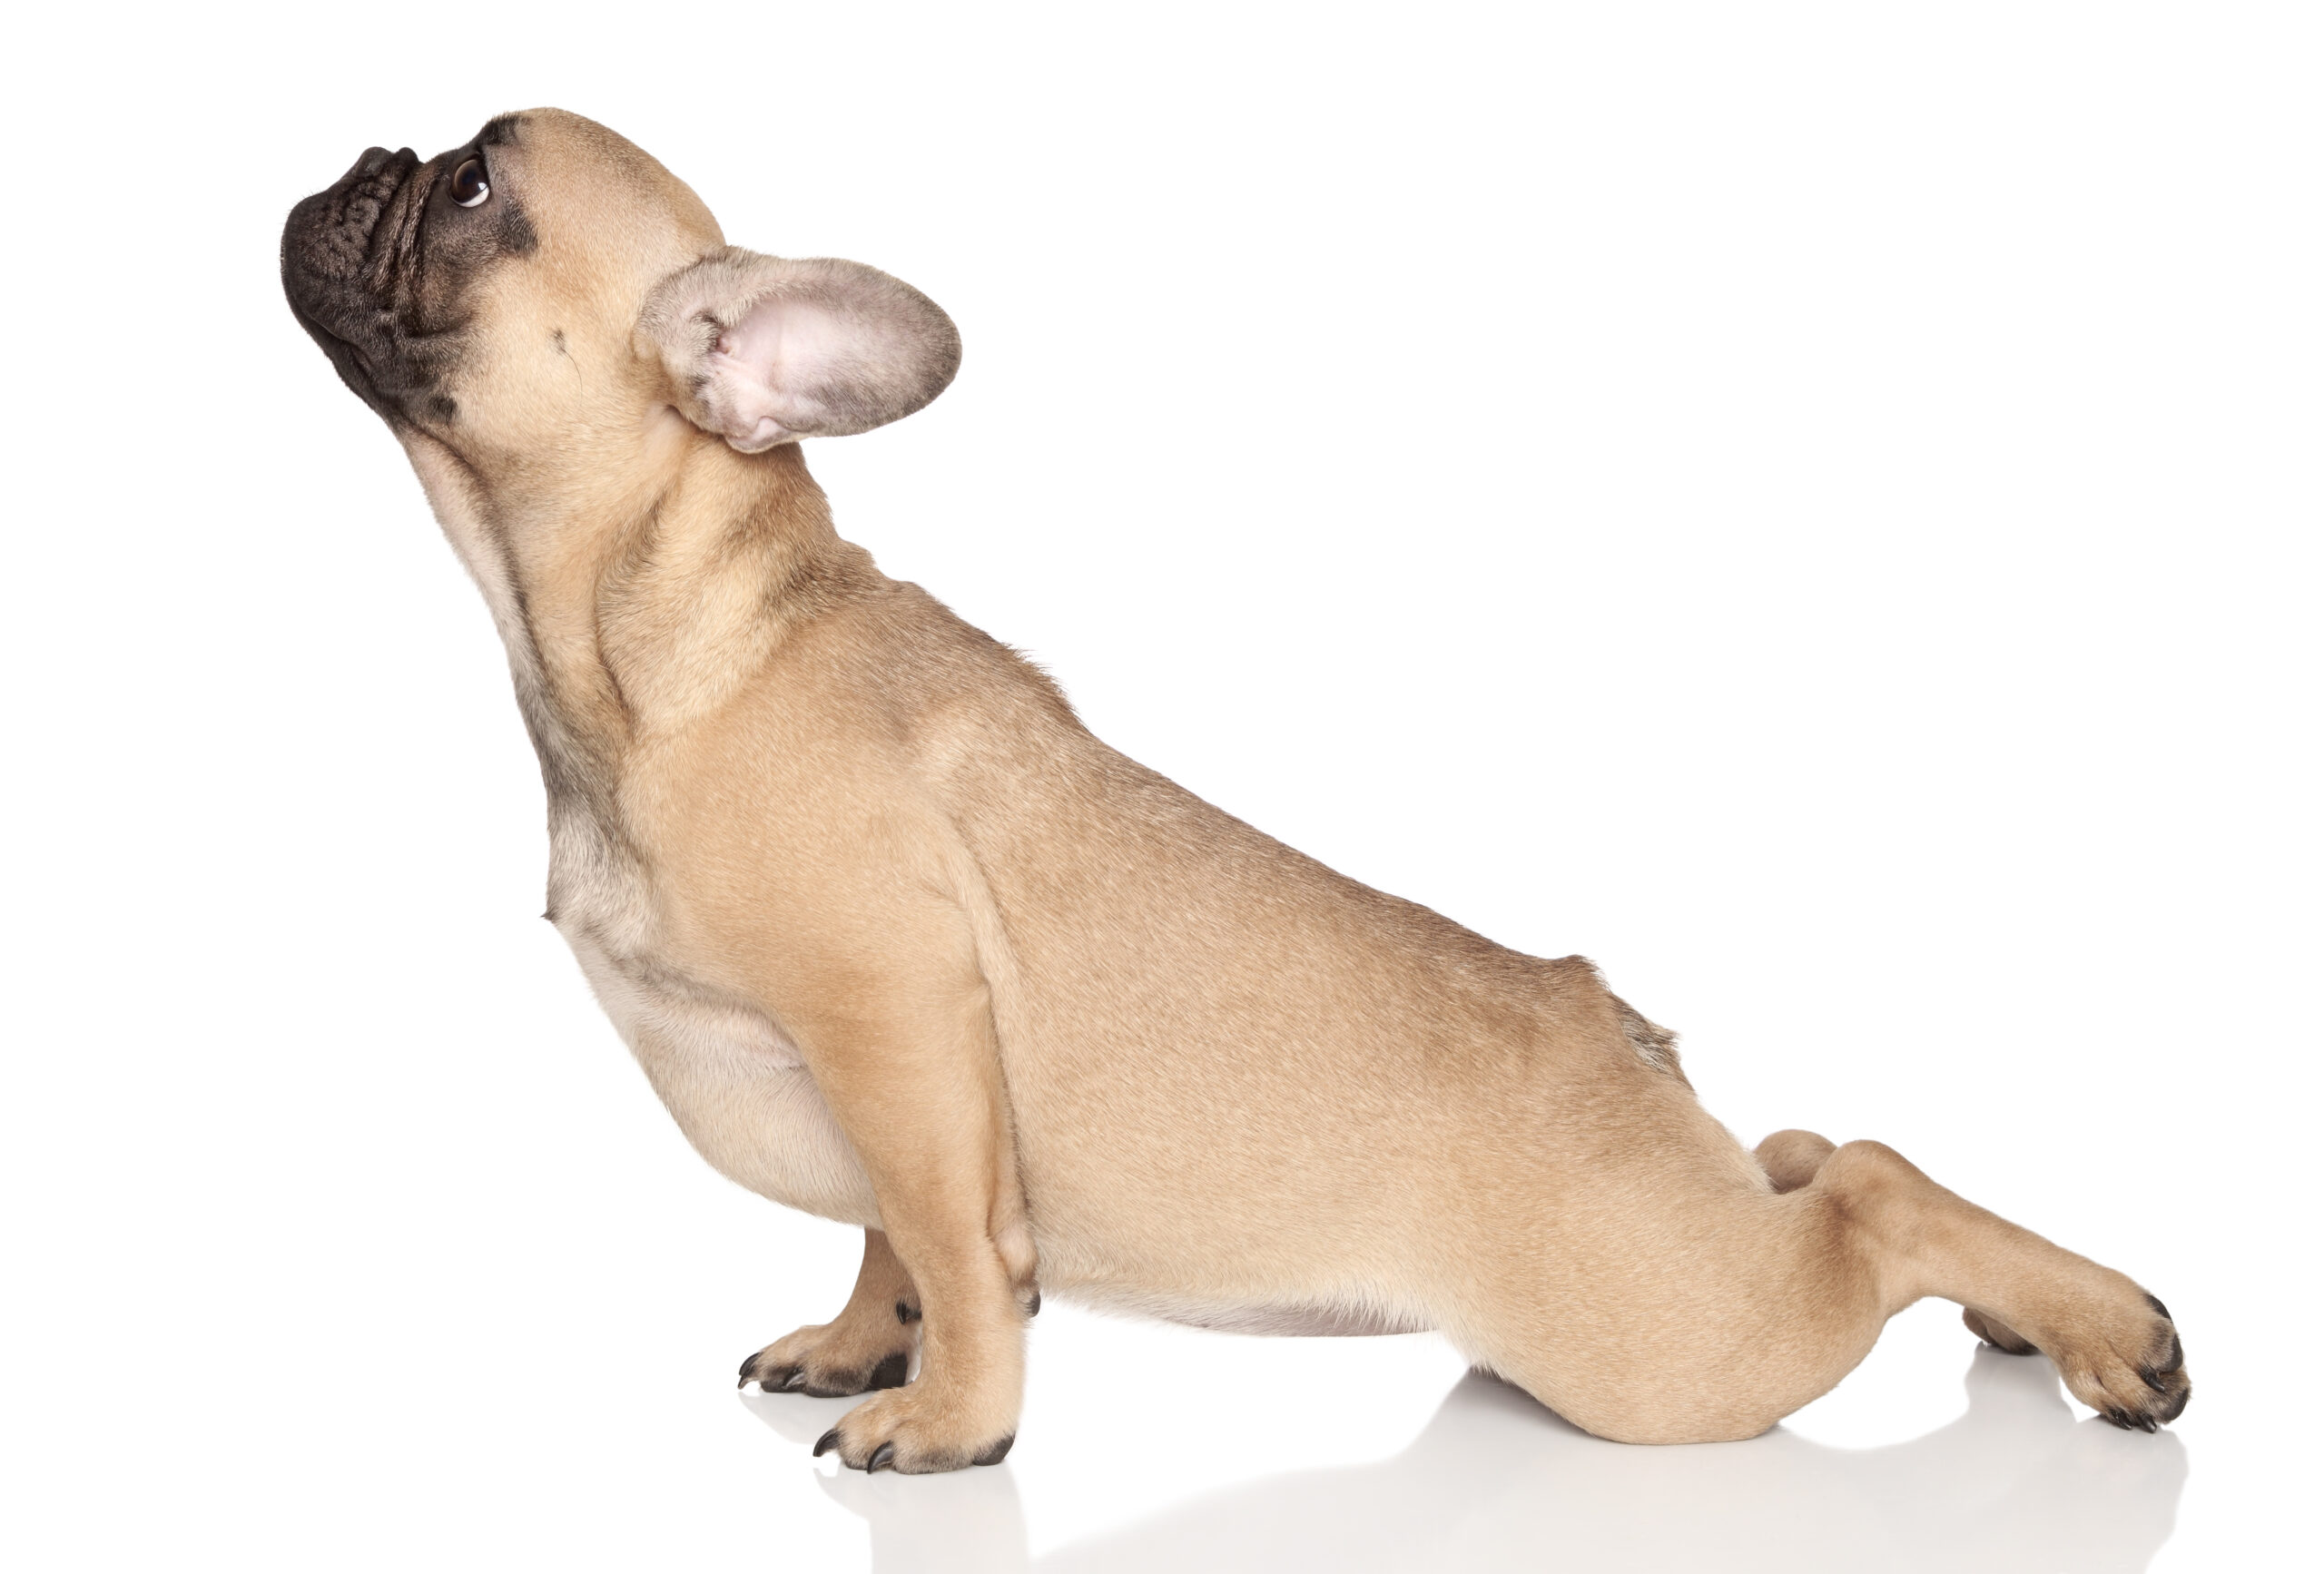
[{"x": 374, "y": 160}]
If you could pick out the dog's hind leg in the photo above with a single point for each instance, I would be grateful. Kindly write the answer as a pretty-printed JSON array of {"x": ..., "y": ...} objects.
[
  {"x": 1791, "y": 1158},
  {"x": 1997, "y": 1332},
  {"x": 1706, "y": 1311},
  {"x": 2112, "y": 1343}
]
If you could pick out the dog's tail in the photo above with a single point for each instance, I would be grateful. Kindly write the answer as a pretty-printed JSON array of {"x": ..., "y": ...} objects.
[
  {"x": 1651, "y": 1041},
  {"x": 1656, "y": 1045}
]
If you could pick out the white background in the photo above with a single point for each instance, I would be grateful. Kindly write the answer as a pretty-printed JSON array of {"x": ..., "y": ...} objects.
[{"x": 1814, "y": 506}]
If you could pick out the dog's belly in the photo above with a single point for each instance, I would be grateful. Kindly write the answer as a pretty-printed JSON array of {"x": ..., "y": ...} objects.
[
  {"x": 733, "y": 1081},
  {"x": 1315, "y": 1320}
]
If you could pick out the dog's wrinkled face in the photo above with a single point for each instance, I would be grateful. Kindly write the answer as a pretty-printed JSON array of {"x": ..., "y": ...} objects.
[{"x": 537, "y": 295}]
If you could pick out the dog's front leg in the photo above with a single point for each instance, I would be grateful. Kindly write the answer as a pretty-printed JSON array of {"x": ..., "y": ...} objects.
[
  {"x": 867, "y": 1345},
  {"x": 900, "y": 1037}
]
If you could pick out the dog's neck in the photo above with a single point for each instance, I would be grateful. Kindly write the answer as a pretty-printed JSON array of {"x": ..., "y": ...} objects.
[{"x": 630, "y": 608}]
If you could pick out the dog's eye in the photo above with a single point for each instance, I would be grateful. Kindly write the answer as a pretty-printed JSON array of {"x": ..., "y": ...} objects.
[{"x": 468, "y": 185}]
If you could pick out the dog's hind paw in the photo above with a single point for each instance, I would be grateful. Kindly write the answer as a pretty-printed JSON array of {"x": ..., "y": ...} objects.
[
  {"x": 2158, "y": 1365},
  {"x": 2121, "y": 1357}
]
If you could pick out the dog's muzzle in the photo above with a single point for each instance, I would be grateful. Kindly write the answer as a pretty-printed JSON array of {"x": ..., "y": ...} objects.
[
  {"x": 329, "y": 234},
  {"x": 340, "y": 268}
]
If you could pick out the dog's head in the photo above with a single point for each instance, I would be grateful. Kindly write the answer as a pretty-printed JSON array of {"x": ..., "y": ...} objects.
[{"x": 538, "y": 296}]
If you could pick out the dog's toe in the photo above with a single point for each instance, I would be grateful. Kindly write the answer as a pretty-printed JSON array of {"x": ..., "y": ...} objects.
[
  {"x": 2130, "y": 1367},
  {"x": 915, "y": 1431},
  {"x": 833, "y": 1361},
  {"x": 2114, "y": 1345}
]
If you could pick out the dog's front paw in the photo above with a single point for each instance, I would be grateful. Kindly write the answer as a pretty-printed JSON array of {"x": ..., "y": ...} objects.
[
  {"x": 919, "y": 1430},
  {"x": 831, "y": 1360}
]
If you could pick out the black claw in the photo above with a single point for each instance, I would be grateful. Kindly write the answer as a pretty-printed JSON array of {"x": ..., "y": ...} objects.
[
  {"x": 2160, "y": 1309},
  {"x": 827, "y": 1442},
  {"x": 1033, "y": 1307},
  {"x": 907, "y": 1312},
  {"x": 882, "y": 1458},
  {"x": 997, "y": 1453},
  {"x": 748, "y": 1361},
  {"x": 793, "y": 1384},
  {"x": 889, "y": 1373},
  {"x": 2148, "y": 1375}
]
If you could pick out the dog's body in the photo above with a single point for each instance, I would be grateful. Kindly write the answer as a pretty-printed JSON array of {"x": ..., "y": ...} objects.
[{"x": 899, "y": 942}]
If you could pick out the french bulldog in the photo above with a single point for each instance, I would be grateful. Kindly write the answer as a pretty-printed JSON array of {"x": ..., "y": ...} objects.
[{"x": 899, "y": 942}]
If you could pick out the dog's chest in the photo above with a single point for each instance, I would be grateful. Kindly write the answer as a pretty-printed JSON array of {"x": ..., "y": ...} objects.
[
  {"x": 728, "y": 1073},
  {"x": 603, "y": 903}
]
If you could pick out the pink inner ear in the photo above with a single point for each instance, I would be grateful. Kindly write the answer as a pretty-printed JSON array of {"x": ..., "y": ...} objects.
[
  {"x": 814, "y": 347},
  {"x": 789, "y": 345},
  {"x": 773, "y": 371}
]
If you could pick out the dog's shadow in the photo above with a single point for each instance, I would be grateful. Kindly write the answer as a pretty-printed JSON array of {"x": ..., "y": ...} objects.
[{"x": 1495, "y": 1481}]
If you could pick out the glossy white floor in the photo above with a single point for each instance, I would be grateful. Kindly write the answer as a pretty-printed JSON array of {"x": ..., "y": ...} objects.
[
  {"x": 1813, "y": 505},
  {"x": 489, "y": 1368},
  {"x": 1394, "y": 1459}
]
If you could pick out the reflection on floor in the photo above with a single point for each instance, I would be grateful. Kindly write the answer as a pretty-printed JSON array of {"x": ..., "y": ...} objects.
[{"x": 1496, "y": 1482}]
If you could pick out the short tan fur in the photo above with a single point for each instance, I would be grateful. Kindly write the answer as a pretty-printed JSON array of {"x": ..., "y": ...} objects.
[{"x": 900, "y": 943}]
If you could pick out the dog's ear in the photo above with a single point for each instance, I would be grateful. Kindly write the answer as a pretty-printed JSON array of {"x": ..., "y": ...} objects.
[{"x": 767, "y": 349}]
